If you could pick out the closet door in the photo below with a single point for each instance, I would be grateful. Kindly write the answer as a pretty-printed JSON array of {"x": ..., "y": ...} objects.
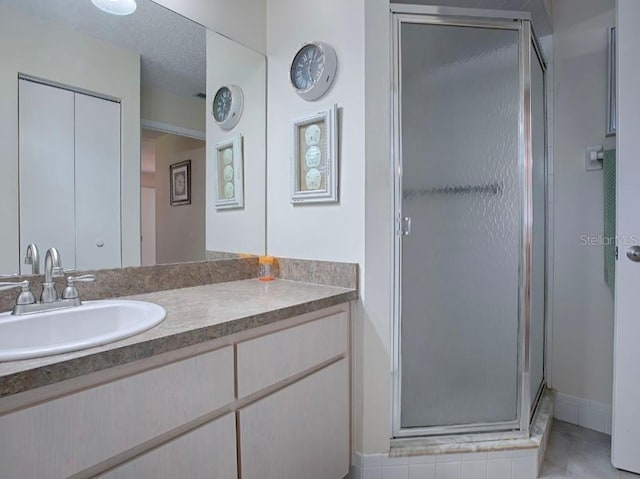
[
  {"x": 46, "y": 170},
  {"x": 97, "y": 183}
]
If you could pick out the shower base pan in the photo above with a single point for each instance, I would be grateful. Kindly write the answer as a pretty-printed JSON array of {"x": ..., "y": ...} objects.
[{"x": 462, "y": 455}]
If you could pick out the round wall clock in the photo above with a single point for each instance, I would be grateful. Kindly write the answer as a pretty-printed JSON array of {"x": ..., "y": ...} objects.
[
  {"x": 313, "y": 70},
  {"x": 227, "y": 106}
]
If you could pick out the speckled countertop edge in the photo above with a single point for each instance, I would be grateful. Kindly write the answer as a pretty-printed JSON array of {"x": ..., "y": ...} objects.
[{"x": 194, "y": 315}]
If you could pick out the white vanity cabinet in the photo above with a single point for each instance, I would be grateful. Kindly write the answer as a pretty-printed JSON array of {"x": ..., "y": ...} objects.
[
  {"x": 205, "y": 453},
  {"x": 272, "y": 402},
  {"x": 94, "y": 427}
]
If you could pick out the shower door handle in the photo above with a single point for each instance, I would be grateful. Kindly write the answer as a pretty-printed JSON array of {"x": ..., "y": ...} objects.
[{"x": 405, "y": 226}]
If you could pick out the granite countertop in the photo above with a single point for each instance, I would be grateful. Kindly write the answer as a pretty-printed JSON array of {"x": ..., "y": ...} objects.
[{"x": 194, "y": 315}]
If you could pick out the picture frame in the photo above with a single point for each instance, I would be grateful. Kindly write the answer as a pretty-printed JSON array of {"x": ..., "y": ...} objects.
[
  {"x": 180, "y": 183},
  {"x": 229, "y": 174},
  {"x": 314, "y": 162},
  {"x": 611, "y": 84}
]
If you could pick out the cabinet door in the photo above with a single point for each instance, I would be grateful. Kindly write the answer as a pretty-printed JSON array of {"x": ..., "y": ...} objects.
[
  {"x": 300, "y": 431},
  {"x": 47, "y": 210},
  {"x": 205, "y": 453},
  {"x": 97, "y": 183}
]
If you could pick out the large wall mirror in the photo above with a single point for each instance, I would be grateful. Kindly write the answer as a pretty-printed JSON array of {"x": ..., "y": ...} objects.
[{"x": 108, "y": 149}]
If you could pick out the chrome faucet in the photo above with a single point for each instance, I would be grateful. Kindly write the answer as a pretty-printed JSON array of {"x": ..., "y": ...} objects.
[
  {"x": 26, "y": 302},
  {"x": 32, "y": 257},
  {"x": 52, "y": 269}
]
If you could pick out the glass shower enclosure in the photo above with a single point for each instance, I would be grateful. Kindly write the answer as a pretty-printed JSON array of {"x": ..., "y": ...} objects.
[{"x": 470, "y": 206}]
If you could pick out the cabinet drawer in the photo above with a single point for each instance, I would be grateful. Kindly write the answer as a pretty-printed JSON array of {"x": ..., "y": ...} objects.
[
  {"x": 267, "y": 360},
  {"x": 205, "y": 453},
  {"x": 70, "y": 434}
]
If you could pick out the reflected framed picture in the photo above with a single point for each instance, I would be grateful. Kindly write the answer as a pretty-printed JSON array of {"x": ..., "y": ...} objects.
[
  {"x": 180, "y": 183},
  {"x": 229, "y": 173},
  {"x": 314, "y": 163}
]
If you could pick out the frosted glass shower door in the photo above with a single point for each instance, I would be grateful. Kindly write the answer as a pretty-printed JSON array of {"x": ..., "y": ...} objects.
[{"x": 462, "y": 189}]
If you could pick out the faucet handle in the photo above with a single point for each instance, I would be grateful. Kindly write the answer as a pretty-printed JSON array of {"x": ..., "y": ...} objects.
[
  {"x": 85, "y": 278},
  {"x": 71, "y": 292},
  {"x": 25, "y": 296},
  {"x": 15, "y": 284},
  {"x": 9, "y": 275}
]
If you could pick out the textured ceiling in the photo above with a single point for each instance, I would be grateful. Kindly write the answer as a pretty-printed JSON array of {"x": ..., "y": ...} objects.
[
  {"x": 537, "y": 8},
  {"x": 172, "y": 48}
]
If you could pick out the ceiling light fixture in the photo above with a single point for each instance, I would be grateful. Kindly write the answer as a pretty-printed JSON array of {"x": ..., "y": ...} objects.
[{"x": 116, "y": 7}]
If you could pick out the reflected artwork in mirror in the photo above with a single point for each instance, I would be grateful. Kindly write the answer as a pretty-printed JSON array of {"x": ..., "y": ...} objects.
[{"x": 94, "y": 110}]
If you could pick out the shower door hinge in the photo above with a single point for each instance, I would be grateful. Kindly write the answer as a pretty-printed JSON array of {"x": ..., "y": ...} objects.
[{"x": 616, "y": 253}]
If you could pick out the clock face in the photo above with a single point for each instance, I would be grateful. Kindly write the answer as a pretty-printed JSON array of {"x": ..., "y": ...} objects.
[
  {"x": 307, "y": 67},
  {"x": 222, "y": 104}
]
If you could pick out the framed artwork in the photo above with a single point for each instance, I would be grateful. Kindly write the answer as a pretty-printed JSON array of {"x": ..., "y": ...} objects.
[
  {"x": 180, "y": 183},
  {"x": 314, "y": 165},
  {"x": 229, "y": 174}
]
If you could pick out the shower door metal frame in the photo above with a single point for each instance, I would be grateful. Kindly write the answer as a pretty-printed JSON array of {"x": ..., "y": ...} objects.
[
  {"x": 528, "y": 46},
  {"x": 536, "y": 53}
]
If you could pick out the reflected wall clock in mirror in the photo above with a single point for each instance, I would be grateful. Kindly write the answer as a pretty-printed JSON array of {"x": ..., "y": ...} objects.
[
  {"x": 313, "y": 70},
  {"x": 227, "y": 106}
]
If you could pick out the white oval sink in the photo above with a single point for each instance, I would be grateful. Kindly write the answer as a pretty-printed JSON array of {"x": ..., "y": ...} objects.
[{"x": 64, "y": 330}]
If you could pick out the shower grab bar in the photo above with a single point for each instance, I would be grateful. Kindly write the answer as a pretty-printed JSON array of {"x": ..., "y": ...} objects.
[{"x": 492, "y": 188}]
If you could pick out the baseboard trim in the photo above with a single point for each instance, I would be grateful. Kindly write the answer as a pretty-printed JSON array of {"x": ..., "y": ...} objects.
[{"x": 583, "y": 412}]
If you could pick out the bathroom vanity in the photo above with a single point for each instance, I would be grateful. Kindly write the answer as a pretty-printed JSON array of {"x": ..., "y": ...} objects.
[{"x": 241, "y": 376}]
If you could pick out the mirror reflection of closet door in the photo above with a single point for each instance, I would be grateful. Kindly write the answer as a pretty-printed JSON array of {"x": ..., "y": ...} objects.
[
  {"x": 97, "y": 183},
  {"x": 69, "y": 173},
  {"x": 46, "y": 171}
]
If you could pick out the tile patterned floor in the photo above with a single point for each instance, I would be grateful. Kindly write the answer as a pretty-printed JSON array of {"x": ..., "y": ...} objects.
[{"x": 578, "y": 453}]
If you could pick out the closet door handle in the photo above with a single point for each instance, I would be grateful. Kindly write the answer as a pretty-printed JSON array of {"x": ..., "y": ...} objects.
[{"x": 633, "y": 254}]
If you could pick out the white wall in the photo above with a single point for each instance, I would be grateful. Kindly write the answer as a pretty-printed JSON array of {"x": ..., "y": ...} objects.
[
  {"x": 321, "y": 231},
  {"x": 582, "y": 349},
  {"x": 240, "y": 20},
  {"x": 180, "y": 231},
  {"x": 332, "y": 232},
  {"x": 159, "y": 106},
  {"x": 43, "y": 50},
  {"x": 373, "y": 363},
  {"x": 238, "y": 230}
]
